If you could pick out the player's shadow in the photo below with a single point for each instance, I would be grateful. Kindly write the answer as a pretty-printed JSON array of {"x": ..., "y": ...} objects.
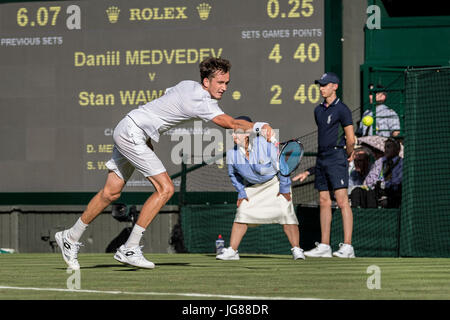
[
  {"x": 128, "y": 268},
  {"x": 258, "y": 257},
  {"x": 131, "y": 268},
  {"x": 247, "y": 256},
  {"x": 102, "y": 266}
]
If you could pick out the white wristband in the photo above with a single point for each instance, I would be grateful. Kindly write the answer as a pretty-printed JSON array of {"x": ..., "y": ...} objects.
[{"x": 257, "y": 126}]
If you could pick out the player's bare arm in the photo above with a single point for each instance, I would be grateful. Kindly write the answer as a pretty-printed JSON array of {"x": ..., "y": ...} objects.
[{"x": 228, "y": 122}]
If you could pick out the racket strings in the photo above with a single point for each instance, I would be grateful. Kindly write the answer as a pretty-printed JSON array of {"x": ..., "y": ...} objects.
[{"x": 290, "y": 157}]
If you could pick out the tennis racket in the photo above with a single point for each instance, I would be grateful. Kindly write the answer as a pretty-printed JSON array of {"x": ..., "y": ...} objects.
[{"x": 290, "y": 154}]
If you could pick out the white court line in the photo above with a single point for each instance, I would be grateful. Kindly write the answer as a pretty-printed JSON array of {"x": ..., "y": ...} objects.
[{"x": 199, "y": 295}]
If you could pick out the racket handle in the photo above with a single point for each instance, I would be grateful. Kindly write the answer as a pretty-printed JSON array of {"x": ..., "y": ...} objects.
[{"x": 274, "y": 140}]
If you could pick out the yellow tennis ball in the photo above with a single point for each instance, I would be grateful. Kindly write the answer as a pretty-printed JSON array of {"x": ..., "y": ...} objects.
[{"x": 367, "y": 120}]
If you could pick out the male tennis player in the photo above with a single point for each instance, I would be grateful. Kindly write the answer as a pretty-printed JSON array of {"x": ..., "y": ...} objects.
[
  {"x": 331, "y": 168},
  {"x": 264, "y": 196},
  {"x": 133, "y": 150}
]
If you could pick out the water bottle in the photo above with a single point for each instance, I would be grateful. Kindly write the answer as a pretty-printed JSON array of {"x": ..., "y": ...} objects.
[{"x": 220, "y": 244}]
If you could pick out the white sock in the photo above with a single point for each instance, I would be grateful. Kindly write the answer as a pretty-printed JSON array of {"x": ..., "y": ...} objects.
[
  {"x": 135, "y": 236},
  {"x": 77, "y": 230}
]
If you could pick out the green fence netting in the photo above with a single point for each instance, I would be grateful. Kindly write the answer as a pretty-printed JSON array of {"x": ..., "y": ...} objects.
[
  {"x": 375, "y": 232},
  {"x": 202, "y": 224},
  {"x": 425, "y": 223}
]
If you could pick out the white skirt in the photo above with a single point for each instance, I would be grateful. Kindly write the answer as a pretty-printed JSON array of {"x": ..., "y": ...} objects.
[{"x": 265, "y": 207}]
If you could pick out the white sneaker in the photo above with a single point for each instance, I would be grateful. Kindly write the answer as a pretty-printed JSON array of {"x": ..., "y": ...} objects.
[
  {"x": 321, "y": 250},
  {"x": 345, "y": 251},
  {"x": 69, "y": 249},
  {"x": 297, "y": 253},
  {"x": 228, "y": 254},
  {"x": 133, "y": 257}
]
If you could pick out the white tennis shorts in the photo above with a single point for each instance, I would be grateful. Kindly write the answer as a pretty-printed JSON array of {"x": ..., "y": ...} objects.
[{"x": 131, "y": 152}]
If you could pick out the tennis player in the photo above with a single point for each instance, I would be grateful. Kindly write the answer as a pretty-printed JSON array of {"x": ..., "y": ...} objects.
[
  {"x": 264, "y": 196},
  {"x": 133, "y": 150},
  {"x": 331, "y": 170}
]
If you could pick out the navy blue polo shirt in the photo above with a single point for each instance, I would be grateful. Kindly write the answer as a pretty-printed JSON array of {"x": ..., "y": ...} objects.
[{"x": 328, "y": 120}]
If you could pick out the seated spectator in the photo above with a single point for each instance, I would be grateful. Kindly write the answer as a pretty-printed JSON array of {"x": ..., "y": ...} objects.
[
  {"x": 385, "y": 177},
  {"x": 359, "y": 194},
  {"x": 359, "y": 168},
  {"x": 386, "y": 119},
  {"x": 375, "y": 150}
]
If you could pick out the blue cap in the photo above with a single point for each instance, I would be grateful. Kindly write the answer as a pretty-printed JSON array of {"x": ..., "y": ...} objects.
[
  {"x": 244, "y": 118},
  {"x": 327, "y": 78}
]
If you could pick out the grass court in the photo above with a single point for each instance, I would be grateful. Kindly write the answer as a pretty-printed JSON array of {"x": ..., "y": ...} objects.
[{"x": 201, "y": 276}]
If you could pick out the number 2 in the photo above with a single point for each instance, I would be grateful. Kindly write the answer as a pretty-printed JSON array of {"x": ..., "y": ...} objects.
[
  {"x": 293, "y": 13},
  {"x": 276, "y": 97}
]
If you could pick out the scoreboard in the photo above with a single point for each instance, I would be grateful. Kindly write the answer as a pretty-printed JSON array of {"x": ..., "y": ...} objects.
[{"x": 71, "y": 70}]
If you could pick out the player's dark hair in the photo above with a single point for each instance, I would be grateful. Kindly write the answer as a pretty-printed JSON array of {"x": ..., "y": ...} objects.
[{"x": 210, "y": 65}]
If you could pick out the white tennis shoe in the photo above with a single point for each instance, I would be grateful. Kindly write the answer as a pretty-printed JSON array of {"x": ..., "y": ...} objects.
[
  {"x": 321, "y": 250},
  {"x": 133, "y": 257},
  {"x": 69, "y": 249},
  {"x": 297, "y": 253},
  {"x": 228, "y": 254},
  {"x": 345, "y": 251}
]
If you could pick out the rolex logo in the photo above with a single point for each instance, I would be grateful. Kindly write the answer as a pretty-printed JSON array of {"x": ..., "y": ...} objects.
[
  {"x": 113, "y": 14},
  {"x": 203, "y": 10}
]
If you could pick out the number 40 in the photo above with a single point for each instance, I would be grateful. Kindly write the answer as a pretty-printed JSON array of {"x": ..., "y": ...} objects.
[
  {"x": 302, "y": 95},
  {"x": 312, "y": 53},
  {"x": 313, "y": 94}
]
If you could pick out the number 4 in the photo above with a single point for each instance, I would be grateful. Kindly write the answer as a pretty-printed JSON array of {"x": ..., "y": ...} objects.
[
  {"x": 300, "y": 53},
  {"x": 300, "y": 94},
  {"x": 275, "y": 53}
]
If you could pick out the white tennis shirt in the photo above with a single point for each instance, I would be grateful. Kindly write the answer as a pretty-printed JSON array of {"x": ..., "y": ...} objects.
[{"x": 181, "y": 103}]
